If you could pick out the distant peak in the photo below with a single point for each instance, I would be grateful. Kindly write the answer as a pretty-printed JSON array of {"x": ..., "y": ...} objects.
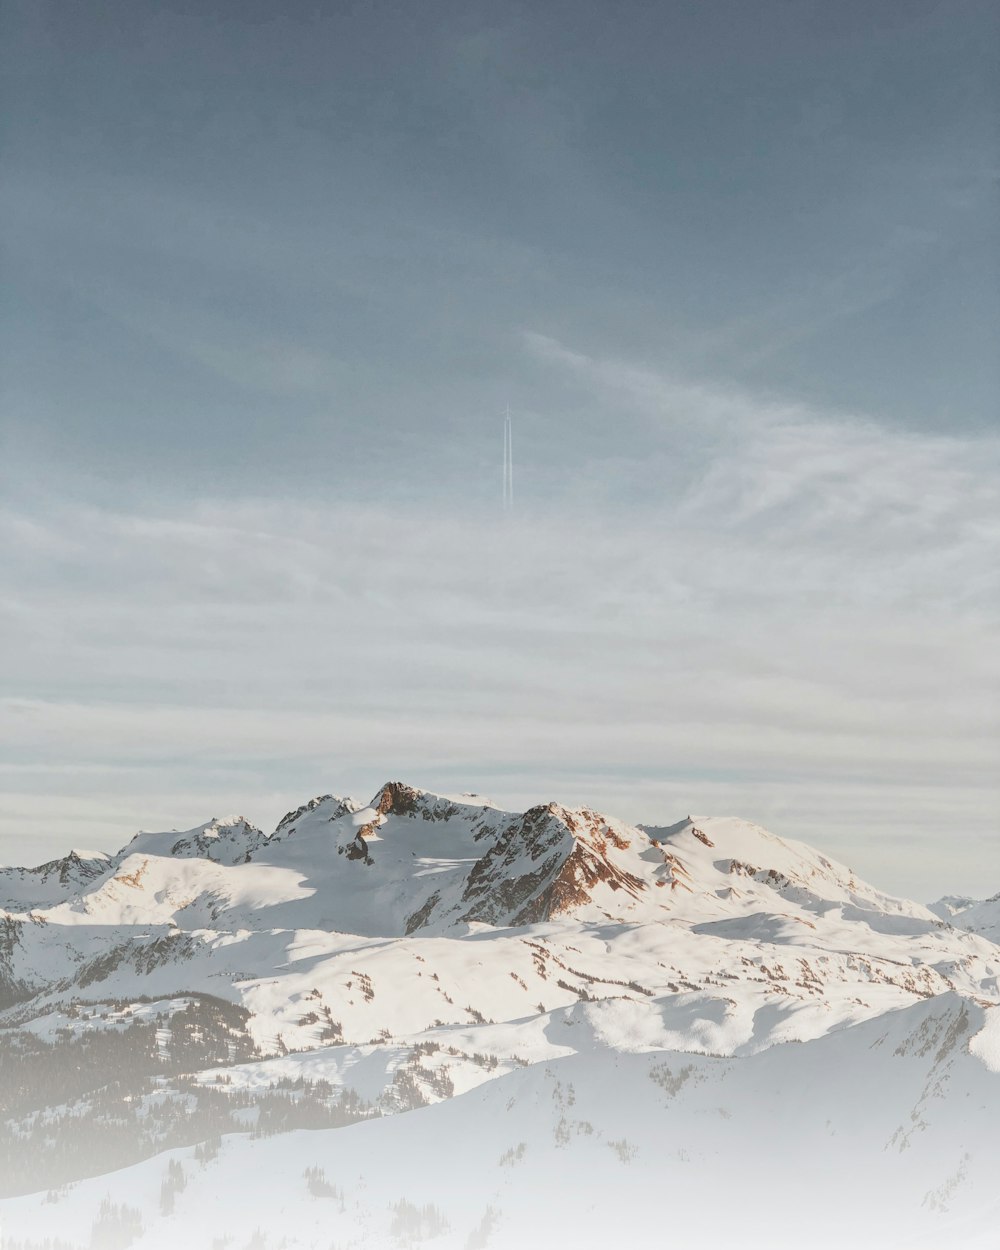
[
  {"x": 338, "y": 807},
  {"x": 397, "y": 799},
  {"x": 232, "y": 821}
]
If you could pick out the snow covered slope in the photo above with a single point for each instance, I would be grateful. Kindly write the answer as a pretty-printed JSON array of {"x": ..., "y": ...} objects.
[
  {"x": 882, "y": 1135},
  {"x": 367, "y": 959},
  {"x": 976, "y": 915}
]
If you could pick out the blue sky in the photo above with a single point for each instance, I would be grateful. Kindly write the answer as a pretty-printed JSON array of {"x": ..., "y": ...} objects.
[{"x": 270, "y": 279}]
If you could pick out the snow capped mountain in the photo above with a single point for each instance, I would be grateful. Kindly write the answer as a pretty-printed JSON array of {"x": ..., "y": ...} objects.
[
  {"x": 225, "y": 840},
  {"x": 419, "y": 949},
  {"x": 410, "y": 860},
  {"x": 22, "y": 889},
  {"x": 661, "y": 910},
  {"x": 976, "y": 915}
]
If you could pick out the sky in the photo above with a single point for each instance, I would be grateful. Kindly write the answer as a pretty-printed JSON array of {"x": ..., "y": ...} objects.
[{"x": 272, "y": 274}]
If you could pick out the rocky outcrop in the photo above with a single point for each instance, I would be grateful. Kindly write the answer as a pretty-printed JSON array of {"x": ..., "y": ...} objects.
[
  {"x": 548, "y": 863},
  {"x": 337, "y": 807},
  {"x": 230, "y": 840},
  {"x": 397, "y": 799}
]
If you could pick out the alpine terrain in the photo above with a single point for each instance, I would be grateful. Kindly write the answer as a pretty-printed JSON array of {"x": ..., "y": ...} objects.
[{"x": 423, "y": 1020}]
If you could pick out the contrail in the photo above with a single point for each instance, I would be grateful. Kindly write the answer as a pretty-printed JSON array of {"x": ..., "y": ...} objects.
[{"x": 508, "y": 464}]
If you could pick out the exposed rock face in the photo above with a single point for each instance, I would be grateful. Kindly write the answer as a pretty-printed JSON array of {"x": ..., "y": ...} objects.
[
  {"x": 508, "y": 879},
  {"x": 397, "y": 799},
  {"x": 575, "y": 882},
  {"x": 423, "y": 914},
  {"x": 544, "y": 865},
  {"x": 357, "y": 848},
  {"x": 12, "y": 987}
]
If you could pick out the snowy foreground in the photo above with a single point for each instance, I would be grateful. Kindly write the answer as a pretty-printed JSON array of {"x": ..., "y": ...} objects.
[{"x": 425, "y": 1021}]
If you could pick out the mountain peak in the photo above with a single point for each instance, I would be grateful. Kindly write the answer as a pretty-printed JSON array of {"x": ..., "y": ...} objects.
[
  {"x": 224, "y": 839},
  {"x": 332, "y": 807},
  {"x": 413, "y": 860},
  {"x": 396, "y": 798}
]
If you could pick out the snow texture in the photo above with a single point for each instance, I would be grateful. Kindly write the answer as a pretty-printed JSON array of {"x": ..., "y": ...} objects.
[{"x": 600, "y": 1035}]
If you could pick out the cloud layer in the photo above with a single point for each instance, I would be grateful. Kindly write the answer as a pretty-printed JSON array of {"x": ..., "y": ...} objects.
[{"x": 707, "y": 601}]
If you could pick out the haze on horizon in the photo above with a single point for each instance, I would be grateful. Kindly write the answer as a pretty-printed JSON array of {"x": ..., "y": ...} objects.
[{"x": 271, "y": 279}]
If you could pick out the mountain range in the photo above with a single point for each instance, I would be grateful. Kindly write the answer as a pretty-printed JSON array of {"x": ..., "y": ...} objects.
[{"x": 597, "y": 1032}]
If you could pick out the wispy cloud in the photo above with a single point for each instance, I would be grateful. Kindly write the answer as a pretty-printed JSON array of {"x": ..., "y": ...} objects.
[{"x": 800, "y": 626}]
